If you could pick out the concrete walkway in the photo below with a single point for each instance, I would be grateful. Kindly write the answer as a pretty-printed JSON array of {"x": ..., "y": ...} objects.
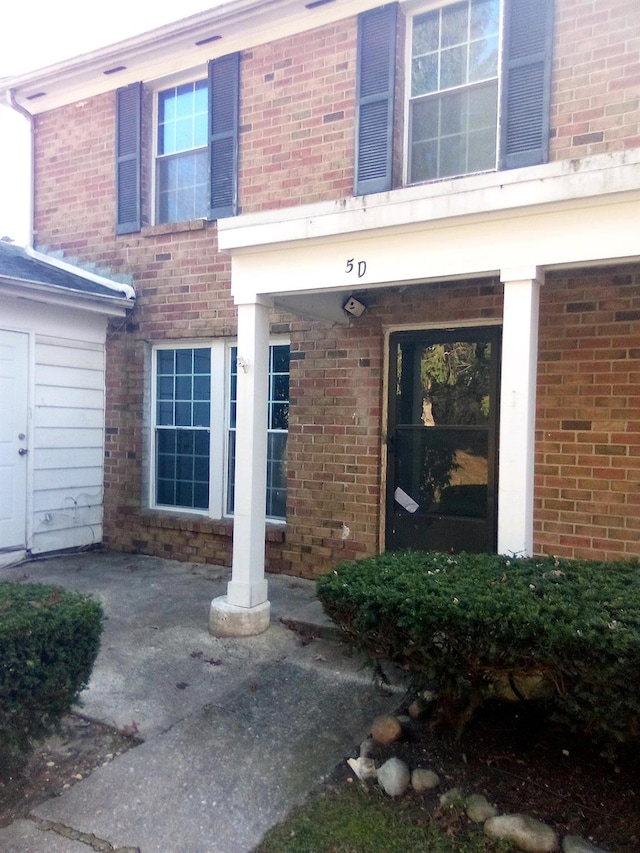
[{"x": 228, "y": 752}]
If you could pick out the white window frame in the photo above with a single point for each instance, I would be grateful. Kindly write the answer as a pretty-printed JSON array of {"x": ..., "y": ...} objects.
[
  {"x": 414, "y": 10},
  {"x": 193, "y": 76},
  {"x": 219, "y": 424}
]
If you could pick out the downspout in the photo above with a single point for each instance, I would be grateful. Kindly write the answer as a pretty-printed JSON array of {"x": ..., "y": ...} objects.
[{"x": 14, "y": 105}]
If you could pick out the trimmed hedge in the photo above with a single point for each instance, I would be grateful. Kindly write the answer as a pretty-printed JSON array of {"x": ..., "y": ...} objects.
[
  {"x": 472, "y": 622},
  {"x": 49, "y": 640}
]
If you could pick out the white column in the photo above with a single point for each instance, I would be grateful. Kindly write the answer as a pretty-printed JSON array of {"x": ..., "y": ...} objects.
[
  {"x": 245, "y": 610},
  {"x": 518, "y": 409}
]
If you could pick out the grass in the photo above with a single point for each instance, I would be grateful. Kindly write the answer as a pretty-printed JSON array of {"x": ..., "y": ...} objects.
[{"x": 355, "y": 819}]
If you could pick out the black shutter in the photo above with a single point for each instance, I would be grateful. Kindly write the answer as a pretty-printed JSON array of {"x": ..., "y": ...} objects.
[
  {"x": 375, "y": 87},
  {"x": 128, "y": 119},
  {"x": 526, "y": 83},
  {"x": 224, "y": 107}
]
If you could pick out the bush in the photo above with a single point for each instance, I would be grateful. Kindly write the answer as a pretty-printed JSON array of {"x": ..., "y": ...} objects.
[
  {"x": 49, "y": 640},
  {"x": 486, "y": 625}
]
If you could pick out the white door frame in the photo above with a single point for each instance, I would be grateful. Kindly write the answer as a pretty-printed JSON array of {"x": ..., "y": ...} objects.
[{"x": 14, "y": 438}]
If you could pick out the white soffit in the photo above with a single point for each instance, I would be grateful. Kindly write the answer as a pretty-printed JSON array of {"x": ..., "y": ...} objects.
[{"x": 173, "y": 48}]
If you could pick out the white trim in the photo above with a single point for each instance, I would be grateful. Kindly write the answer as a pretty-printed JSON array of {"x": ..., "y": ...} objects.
[
  {"x": 516, "y": 192},
  {"x": 173, "y": 48}
]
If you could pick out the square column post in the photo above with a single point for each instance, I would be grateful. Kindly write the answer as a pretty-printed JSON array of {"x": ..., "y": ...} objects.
[
  {"x": 245, "y": 610},
  {"x": 518, "y": 409}
]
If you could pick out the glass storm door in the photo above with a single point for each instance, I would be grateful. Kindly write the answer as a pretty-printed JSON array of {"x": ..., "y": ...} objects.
[{"x": 442, "y": 440}]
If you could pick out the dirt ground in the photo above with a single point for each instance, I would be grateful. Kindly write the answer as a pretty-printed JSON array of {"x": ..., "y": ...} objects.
[
  {"x": 518, "y": 761},
  {"x": 58, "y": 763},
  {"x": 523, "y": 763}
]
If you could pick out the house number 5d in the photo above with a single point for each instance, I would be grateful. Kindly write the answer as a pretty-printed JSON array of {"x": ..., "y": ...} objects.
[{"x": 356, "y": 266}]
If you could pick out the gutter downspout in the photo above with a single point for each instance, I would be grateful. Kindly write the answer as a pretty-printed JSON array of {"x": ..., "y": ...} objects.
[{"x": 14, "y": 105}]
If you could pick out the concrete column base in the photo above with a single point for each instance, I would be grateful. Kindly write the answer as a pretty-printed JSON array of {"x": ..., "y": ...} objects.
[{"x": 229, "y": 620}]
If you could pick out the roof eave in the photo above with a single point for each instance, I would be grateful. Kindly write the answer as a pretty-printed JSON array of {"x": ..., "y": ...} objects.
[{"x": 78, "y": 300}]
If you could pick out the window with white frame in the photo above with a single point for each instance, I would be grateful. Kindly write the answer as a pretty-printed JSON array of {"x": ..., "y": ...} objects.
[
  {"x": 194, "y": 421},
  {"x": 453, "y": 90},
  {"x": 182, "y": 153},
  {"x": 277, "y": 431}
]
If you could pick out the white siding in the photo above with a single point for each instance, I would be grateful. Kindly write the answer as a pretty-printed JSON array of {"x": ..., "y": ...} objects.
[{"x": 68, "y": 443}]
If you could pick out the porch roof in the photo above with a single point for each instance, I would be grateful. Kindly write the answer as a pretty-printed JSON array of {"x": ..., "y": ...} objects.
[{"x": 32, "y": 275}]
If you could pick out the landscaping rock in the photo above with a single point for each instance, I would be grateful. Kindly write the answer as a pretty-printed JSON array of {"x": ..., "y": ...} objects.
[
  {"x": 394, "y": 777},
  {"x": 367, "y": 748},
  {"x": 574, "y": 844},
  {"x": 364, "y": 768},
  {"x": 525, "y": 832},
  {"x": 451, "y": 797},
  {"x": 424, "y": 780},
  {"x": 479, "y": 809},
  {"x": 386, "y": 729}
]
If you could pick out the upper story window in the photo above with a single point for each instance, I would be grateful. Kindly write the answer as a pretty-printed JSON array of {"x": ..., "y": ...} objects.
[
  {"x": 196, "y": 149},
  {"x": 182, "y": 153},
  {"x": 453, "y": 90},
  {"x": 477, "y": 80}
]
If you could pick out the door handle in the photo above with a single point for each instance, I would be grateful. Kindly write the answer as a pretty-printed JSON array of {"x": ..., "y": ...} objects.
[{"x": 23, "y": 451}]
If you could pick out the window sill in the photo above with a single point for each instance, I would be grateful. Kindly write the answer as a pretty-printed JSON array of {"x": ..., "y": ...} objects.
[
  {"x": 275, "y": 530},
  {"x": 173, "y": 227}
]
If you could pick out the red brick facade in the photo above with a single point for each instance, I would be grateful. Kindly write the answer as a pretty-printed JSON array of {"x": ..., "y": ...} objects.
[{"x": 297, "y": 113}]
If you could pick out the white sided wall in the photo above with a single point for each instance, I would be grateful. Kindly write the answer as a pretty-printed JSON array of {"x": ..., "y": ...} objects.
[{"x": 66, "y": 378}]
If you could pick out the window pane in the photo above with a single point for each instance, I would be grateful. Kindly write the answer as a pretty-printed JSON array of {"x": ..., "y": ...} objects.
[
  {"x": 453, "y": 49},
  {"x": 454, "y": 24},
  {"x": 453, "y": 67},
  {"x": 182, "y": 453},
  {"x": 281, "y": 358},
  {"x": 483, "y": 59},
  {"x": 183, "y": 387},
  {"x": 485, "y": 18},
  {"x": 424, "y": 75}
]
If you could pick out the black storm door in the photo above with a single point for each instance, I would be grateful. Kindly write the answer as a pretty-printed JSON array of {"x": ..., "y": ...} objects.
[{"x": 442, "y": 440}]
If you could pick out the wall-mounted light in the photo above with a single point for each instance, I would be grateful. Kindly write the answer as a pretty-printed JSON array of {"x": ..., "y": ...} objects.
[
  {"x": 242, "y": 363},
  {"x": 353, "y": 307}
]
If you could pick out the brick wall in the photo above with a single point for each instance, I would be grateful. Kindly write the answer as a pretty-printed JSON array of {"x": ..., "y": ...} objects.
[
  {"x": 297, "y": 138},
  {"x": 588, "y": 428},
  {"x": 596, "y": 77}
]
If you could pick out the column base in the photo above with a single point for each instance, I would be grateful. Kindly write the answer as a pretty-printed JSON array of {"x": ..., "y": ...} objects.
[{"x": 230, "y": 620}]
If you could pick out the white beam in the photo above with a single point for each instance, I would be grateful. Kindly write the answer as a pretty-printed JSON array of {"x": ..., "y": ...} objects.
[
  {"x": 245, "y": 609},
  {"x": 517, "y": 409}
]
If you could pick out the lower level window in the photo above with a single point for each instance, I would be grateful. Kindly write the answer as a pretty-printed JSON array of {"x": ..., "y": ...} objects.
[{"x": 192, "y": 404}]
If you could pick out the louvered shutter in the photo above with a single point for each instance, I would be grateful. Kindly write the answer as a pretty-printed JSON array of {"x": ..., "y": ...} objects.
[
  {"x": 224, "y": 102},
  {"x": 526, "y": 83},
  {"x": 375, "y": 87},
  {"x": 128, "y": 123}
]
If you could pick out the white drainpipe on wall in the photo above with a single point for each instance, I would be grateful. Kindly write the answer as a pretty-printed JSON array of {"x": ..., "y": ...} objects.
[{"x": 14, "y": 105}]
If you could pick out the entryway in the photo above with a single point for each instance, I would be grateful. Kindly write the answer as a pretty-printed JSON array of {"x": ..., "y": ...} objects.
[
  {"x": 14, "y": 349},
  {"x": 442, "y": 435}
]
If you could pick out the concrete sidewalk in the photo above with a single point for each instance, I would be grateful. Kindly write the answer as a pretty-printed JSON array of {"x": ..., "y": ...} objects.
[{"x": 228, "y": 749}]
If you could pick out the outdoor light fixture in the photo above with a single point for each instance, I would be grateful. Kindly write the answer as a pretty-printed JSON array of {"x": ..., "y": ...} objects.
[{"x": 353, "y": 307}]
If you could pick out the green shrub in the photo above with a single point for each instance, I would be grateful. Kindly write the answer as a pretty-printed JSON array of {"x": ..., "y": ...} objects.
[
  {"x": 477, "y": 623},
  {"x": 49, "y": 640}
]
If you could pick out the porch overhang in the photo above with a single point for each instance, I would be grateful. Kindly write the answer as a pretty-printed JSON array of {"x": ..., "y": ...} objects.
[{"x": 554, "y": 216}]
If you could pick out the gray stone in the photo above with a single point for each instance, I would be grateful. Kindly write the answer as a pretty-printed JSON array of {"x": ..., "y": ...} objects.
[
  {"x": 364, "y": 768},
  {"x": 367, "y": 748},
  {"x": 452, "y": 797},
  {"x": 574, "y": 844},
  {"x": 479, "y": 808},
  {"x": 525, "y": 832},
  {"x": 394, "y": 777},
  {"x": 424, "y": 780}
]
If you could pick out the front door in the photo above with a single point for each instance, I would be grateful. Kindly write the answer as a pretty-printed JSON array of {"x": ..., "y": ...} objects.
[
  {"x": 14, "y": 348},
  {"x": 442, "y": 440}
]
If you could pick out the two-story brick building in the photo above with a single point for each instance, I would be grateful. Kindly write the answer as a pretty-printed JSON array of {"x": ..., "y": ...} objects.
[{"x": 387, "y": 265}]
